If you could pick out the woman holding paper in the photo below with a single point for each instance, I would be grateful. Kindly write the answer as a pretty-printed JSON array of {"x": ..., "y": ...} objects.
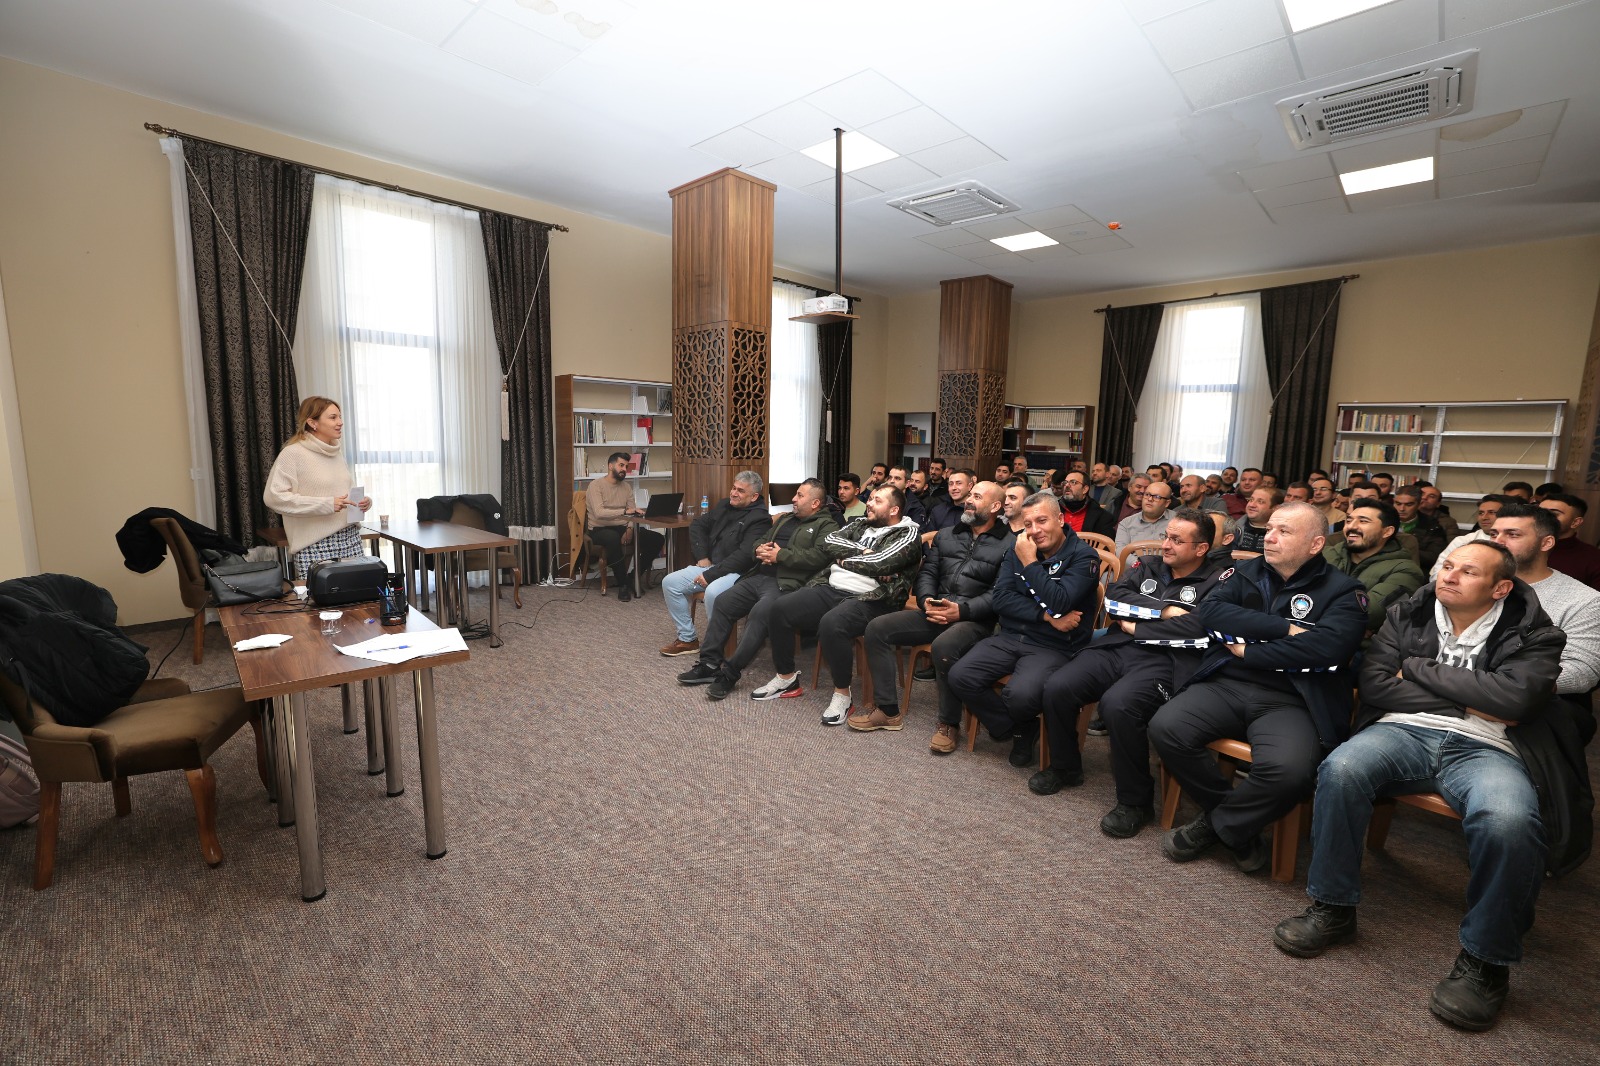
[{"x": 309, "y": 485}]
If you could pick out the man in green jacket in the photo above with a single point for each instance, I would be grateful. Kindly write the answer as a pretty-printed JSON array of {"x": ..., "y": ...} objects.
[
  {"x": 1369, "y": 552},
  {"x": 788, "y": 557}
]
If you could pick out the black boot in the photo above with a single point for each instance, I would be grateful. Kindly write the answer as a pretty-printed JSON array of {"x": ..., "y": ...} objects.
[
  {"x": 1318, "y": 929},
  {"x": 1471, "y": 997}
]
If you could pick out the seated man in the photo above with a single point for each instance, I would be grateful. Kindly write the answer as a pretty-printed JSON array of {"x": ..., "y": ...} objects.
[
  {"x": 1385, "y": 483},
  {"x": 1011, "y": 510},
  {"x": 948, "y": 510},
  {"x": 1192, "y": 493},
  {"x": 848, "y": 493},
  {"x": 875, "y": 477},
  {"x": 1456, "y": 698},
  {"x": 1247, "y": 532},
  {"x": 1249, "y": 481},
  {"x": 1488, "y": 511},
  {"x": 788, "y": 557},
  {"x": 900, "y": 479},
  {"x": 1284, "y": 627},
  {"x": 1434, "y": 507},
  {"x": 953, "y": 613},
  {"x": 1133, "y": 499},
  {"x": 938, "y": 481},
  {"x": 1297, "y": 492},
  {"x": 723, "y": 542},
  {"x": 1045, "y": 596},
  {"x": 874, "y": 558},
  {"x": 917, "y": 485},
  {"x": 1103, "y": 489},
  {"x": 609, "y": 504},
  {"x": 1079, "y": 511},
  {"x": 1003, "y": 473},
  {"x": 1368, "y": 551},
  {"x": 1153, "y": 646},
  {"x": 1518, "y": 490},
  {"x": 1151, "y": 521},
  {"x": 1429, "y": 534},
  {"x": 1571, "y": 556}
]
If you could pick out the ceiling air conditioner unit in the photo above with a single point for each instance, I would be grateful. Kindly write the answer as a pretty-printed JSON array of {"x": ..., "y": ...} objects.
[
  {"x": 970, "y": 201},
  {"x": 1422, "y": 93}
]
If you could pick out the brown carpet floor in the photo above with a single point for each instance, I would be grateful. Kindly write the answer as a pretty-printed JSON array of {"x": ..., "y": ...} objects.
[{"x": 637, "y": 875}]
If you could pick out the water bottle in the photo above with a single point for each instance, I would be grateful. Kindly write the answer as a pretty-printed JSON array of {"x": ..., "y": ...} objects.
[{"x": 705, "y": 504}]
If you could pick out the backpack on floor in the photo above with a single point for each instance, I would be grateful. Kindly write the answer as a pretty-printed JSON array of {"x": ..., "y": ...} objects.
[{"x": 19, "y": 789}]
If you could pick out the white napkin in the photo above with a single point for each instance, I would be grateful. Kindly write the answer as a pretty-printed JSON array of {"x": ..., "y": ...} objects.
[{"x": 265, "y": 640}]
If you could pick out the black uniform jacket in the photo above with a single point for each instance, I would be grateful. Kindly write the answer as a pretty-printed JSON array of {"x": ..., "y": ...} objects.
[{"x": 1147, "y": 588}]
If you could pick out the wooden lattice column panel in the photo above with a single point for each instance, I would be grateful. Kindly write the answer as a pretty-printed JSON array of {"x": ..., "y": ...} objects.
[
  {"x": 721, "y": 322},
  {"x": 974, "y": 345}
]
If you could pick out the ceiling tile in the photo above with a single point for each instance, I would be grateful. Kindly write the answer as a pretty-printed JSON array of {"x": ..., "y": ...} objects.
[
  {"x": 1489, "y": 180},
  {"x": 1371, "y": 35},
  {"x": 1395, "y": 148},
  {"x": 1248, "y": 73},
  {"x": 792, "y": 169},
  {"x": 894, "y": 174},
  {"x": 513, "y": 50},
  {"x": 1054, "y": 217},
  {"x": 1399, "y": 196},
  {"x": 1109, "y": 243},
  {"x": 577, "y": 23},
  {"x": 1213, "y": 30},
  {"x": 1470, "y": 16},
  {"x": 1149, "y": 10},
  {"x": 862, "y": 99},
  {"x": 1289, "y": 172},
  {"x": 951, "y": 237},
  {"x": 426, "y": 20},
  {"x": 1314, "y": 209},
  {"x": 743, "y": 147},
  {"x": 1000, "y": 227},
  {"x": 965, "y": 153},
  {"x": 1494, "y": 156},
  {"x": 1507, "y": 126},
  {"x": 1304, "y": 192},
  {"x": 998, "y": 261},
  {"x": 1051, "y": 251},
  {"x": 913, "y": 130},
  {"x": 853, "y": 190},
  {"x": 797, "y": 125},
  {"x": 1080, "y": 231}
]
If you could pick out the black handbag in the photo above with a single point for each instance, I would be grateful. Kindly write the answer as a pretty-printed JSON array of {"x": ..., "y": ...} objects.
[{"x": 242, "y": 581}]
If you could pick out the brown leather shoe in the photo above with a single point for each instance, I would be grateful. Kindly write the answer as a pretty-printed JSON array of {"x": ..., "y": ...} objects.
[
  {"x": 682, "y": 647},
  {"x": 944, "y": 739},
  {"x": 867, "y": 721}
]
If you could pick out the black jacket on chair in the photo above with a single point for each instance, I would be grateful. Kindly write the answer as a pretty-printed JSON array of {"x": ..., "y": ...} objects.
[
  {"x": 60, "y": 643},
  {"x": 440, "y": 508},
  {"x": 143, "y": 549}
]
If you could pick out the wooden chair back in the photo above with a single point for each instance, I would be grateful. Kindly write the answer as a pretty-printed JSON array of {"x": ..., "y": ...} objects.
[
  {"x": 1138, "y": 547},
  {"x": 1099, "y": 541}
]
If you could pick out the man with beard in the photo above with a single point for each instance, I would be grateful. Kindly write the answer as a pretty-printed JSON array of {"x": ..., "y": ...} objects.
[
  {"x": 1368, "y": 551},
  {"x": 1570, "y": 555},
  {"x": 609, "y": 503},
  {"x": 1192, "y": 493},
  {"x": 953, "y": 613},
  {"x": 1011, "y": 511},
  {"x": 1434, "y": 507},
  {"x": 1080, "y": 512},
  {"x": 900, "y": 479},
  {"x": 1133, "y": 500},
  {"x": 1427, "y": 532},
  {"x": 1103, "y": 489}
]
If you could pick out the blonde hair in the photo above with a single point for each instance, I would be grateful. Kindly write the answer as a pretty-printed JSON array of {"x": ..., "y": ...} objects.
[{"x": 311, "y": 409}]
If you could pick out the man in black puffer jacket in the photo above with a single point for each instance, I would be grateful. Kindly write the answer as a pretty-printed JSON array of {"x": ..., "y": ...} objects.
[
  {"x": 1458, "y": 697},
  {"x": 723, "y": 542},
  {"x": 953, "y": 611}
]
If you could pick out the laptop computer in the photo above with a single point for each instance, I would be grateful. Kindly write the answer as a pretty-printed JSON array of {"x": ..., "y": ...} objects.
[{"x": 663, "y": 504}]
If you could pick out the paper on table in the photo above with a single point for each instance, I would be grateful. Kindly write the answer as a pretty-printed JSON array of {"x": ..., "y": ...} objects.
[
  {"x": 399, "y": 647},
  {"x": 353, "y": 513},
  {"x": 265, "y": 640}
]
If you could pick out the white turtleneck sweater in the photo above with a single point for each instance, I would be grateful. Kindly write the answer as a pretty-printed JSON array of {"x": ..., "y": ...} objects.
[{"x": 302, "y": 485}]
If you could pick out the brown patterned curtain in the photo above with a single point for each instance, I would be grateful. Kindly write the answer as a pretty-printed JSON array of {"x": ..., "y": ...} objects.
[
  {"x": 833, "y": 354},
  {"x": 249, "y": 220},
  {"x": 517, "y": 251},
  {"x": 1126, "y": 351},
  {"x": 1297, "y": 328}
]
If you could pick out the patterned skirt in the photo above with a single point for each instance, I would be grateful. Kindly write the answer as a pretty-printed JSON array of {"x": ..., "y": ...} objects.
[{"x": 344, "y": 544}]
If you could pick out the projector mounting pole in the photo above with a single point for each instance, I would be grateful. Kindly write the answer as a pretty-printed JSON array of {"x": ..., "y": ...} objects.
[{"x": 838, "y": 210}]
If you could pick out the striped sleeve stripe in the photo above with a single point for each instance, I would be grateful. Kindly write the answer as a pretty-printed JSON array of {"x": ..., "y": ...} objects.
[{"x": 1118, "y": 609}]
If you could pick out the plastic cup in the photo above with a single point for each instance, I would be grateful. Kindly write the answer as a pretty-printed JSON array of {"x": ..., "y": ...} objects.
[
  {"x": 330, "y": 622},
  {"x": 383, "y": 521}
]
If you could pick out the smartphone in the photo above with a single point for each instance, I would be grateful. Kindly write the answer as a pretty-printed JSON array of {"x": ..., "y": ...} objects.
[{"x": 934, "y": 601}]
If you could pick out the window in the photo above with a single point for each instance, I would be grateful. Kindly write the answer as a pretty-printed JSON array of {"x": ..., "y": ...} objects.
[
  {"x": 1205, "y": 403},
  {"x": 795, "y": 401}
]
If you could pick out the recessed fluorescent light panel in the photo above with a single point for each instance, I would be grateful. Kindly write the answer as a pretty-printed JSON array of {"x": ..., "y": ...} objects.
[
  {"x": 1408, "y": 173},
  {"x": 859, "y": 151},
  {"x": 1021, "y": 242},
  {"x": 1304, "y": 14}
]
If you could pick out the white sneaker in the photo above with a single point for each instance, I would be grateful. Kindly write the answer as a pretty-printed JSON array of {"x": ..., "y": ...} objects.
[
  {"x": 838, "y": 709},
  {"x": 779, "y": 688}
]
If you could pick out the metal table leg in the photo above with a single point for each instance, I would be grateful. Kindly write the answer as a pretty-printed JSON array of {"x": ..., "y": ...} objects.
[
  {"x": 428, "y": 757},
  {"x": 391, "y": 739},
  {"x": 284, "y": 744},
  {"x": 270, "y": 746},
  {"x": 494, "y": 599},
  {"x": 638, "y": 583},
  {"x": 369, "y": 698},
  {"x": 312, "y": 885},
  {"x": 348, "y": 705}
]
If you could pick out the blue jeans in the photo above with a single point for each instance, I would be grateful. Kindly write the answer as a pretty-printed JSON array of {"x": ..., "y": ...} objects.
[
  {"x": 679, "y": 585},
  {"x": 1487, "y": 787}
]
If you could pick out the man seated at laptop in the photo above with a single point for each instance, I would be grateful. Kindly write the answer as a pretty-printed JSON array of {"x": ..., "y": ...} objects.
[{"x": 609, "y": 503}]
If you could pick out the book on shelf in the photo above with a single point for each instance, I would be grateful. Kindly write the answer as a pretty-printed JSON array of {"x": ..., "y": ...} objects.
[
  {"x": 639, "y": 464},
  {"x": 1044, "y": 418},
  {"x": 641, "y": 406},
  {"x": 644, "y": 430},
  {"x": 1350, "y": 451},
  {"x": 1352, "y": 420}
]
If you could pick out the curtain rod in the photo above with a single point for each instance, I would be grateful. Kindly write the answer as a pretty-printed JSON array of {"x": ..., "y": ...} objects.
[
  {"x": 165, "y": 132},
  {"x": 813, "y": 288},
  {"x": 1241, "y": 292}
]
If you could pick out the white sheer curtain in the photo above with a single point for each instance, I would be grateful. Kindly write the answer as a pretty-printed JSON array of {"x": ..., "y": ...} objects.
[
  {"x": 1206, "y": 400},
  {"x": 796, "y": 397},
  {"x": 395, "y": 325},
  {"x": 194, "y": 375}
]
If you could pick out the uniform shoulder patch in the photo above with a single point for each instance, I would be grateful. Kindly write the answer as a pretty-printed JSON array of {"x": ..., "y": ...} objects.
[
  {"x": 1361, "y": 598},
  {"x": 1133, "y": 562},
  {"x": 1225, "y": 575}
]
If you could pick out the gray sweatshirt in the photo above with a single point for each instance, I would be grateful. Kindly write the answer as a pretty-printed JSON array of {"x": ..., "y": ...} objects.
[{"x": 1575, "y": 609}]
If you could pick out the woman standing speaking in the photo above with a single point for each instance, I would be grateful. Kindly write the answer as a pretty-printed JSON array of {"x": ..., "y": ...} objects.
[{"x": 309, "y": 485}]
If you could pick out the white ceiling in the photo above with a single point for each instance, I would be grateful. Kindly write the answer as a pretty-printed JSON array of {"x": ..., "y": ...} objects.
[{"x": 1155, "y": 114}]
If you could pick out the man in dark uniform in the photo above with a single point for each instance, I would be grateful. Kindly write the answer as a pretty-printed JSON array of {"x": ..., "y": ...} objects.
[
  {"x": 1284, "y": 627},
  {"x": 1148, "y": 653}
]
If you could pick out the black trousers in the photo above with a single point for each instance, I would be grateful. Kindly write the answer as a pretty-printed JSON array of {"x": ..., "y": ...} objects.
[
  {"x": 1131, "y": 682},
  {"x": 609, "y": 538},
  {"x": 1019, "y": 702},
  {"x": 837, "y": 618},
  {"x": 1283, "y": 743},
  {"x": 905, "y": 629},
  {"x": 751, "y": 598}
]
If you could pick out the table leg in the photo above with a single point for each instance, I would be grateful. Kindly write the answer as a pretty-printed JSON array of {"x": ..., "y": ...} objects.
[
  {"x": 428, "y": 757},
  {"x": 463, "y": 615},
  {"x": 283, "y": 564},
  {"x": 369, "y": 697},
  {"x": 284, "y": 743},
  {"x": 312, "y": 885},
  {"x": 638, "y": 585},
  {"x": 391, "y": 739},
  {"x": 268, "y": 723},
  {"x": 348, "y": 705},
  {"x": 494, "y": 599}
]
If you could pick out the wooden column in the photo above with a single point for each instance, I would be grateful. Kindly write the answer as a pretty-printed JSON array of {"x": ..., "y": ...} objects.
[
  {"x": 1581, "y": 470},
  {"x": 721, "y": 322},
  {"x": 974, "y": 343}
]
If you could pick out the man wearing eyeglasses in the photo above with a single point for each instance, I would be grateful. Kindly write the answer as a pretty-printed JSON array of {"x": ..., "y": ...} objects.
[{"x": 1151, "y": 521}]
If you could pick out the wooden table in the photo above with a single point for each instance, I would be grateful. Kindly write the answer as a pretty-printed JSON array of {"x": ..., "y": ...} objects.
[
  {"x": 284, "y": 675},
  {"x": 450, "y": 542},
  {"x": 666, "y": 525}
]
